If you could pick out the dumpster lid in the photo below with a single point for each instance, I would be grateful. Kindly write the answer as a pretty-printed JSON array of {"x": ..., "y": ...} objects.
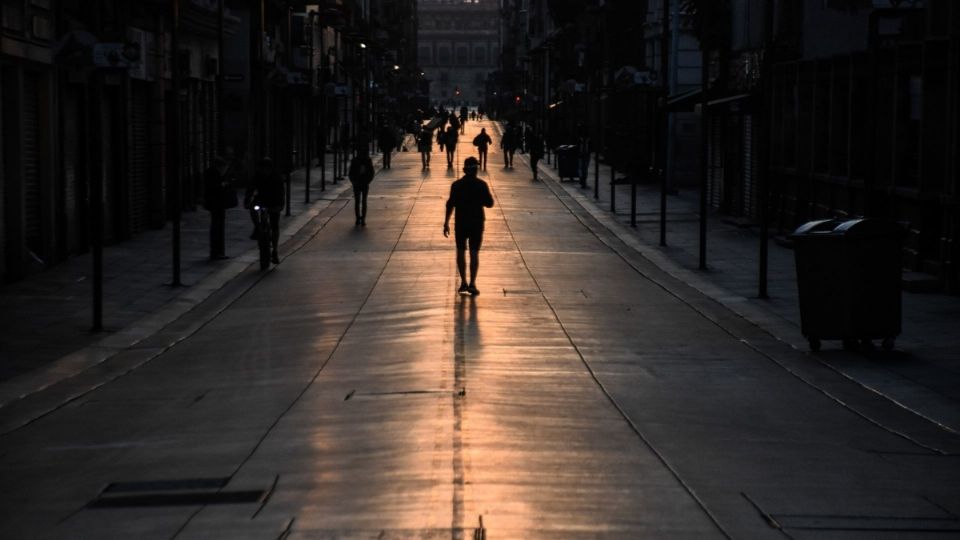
[
  {"x": 862, "y": 227},
  {"x": 868, "y": 227},
  {"x": 817, "y": 226}
]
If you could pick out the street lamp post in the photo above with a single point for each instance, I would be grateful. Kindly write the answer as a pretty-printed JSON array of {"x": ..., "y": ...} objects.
[{"x": 310, "y": 120}]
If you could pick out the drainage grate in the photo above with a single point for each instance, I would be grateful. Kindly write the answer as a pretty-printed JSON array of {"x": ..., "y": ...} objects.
[
  {"x": 180, "y": 492},
  {"x": 521, "y": 292},
  {"x": 167, "y": 485},
  {"x": 359, "y": 395}
]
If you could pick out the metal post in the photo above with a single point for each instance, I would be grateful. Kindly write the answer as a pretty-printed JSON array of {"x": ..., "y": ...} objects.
[
  {"x": 221, "y": 146},
  {"x": 613, "y": 190},
  {"x": 704, "y": 141},
  {"x": 175, "y": 165},
  {"x": 288, "y": 106},
  {"x": 662, "y": 150},
  {"x": 596, "y": 173},
  {"x": 764, "y": 146},
  {"x": 96, "y": 198},
  {"x": 324, "y": 125},
  {"x": 310, "y": 120}
]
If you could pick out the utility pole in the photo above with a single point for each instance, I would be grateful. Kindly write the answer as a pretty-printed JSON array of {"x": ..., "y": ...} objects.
[
  {"x": 704, "y": 126},
  {"x": 324, "y": 125},
  {"x": 95, "y": 151},
  {"x": 765, "y": 119},
  {"x": 221, "y": 146},
  {"x": 664, "y": 135},
  {"x": 288, "y": 107},
  {"x": 310, "y": 120},
  {"x": 175, "y": 158}
]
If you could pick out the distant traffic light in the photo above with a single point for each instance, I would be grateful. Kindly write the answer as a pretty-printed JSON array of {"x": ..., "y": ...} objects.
[
  {"x": 516, "y": 99},
  {"x": 457, "y": 91}
]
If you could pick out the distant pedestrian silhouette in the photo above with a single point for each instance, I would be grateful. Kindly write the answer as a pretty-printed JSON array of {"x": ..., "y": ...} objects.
[
  {"x": 219, "y": 195},
  {"x": 267, "y": 190},
  {"x": 482, "y": 142},
  {"x": 583, "y": 152},
  {"x": 450, "y": 140},
  {"x": 509, "y": 142},
  {"x": 360, "y": 175},
  {"x": 468, "y": 197},
  {"x": 535, "y": 148},
  {"x": 386, "y": 141},
  {"x": 425, "y": 146}
]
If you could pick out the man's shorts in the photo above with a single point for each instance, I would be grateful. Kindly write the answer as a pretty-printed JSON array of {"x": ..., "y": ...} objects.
[{"x": 473, "y": 233}]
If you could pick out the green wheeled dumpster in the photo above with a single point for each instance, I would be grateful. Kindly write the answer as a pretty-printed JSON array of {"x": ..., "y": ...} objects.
[{"x": 848, "y": 280}]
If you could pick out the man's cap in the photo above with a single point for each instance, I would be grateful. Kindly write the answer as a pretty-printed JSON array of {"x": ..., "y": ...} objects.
[{"x": 471, "y": 163}]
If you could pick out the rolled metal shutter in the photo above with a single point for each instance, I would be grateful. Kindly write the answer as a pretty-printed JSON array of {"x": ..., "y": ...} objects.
[
  {"x": 108, "y": 179},
  {"x": 70, "y": 127},
  {"x": 715, "y": 177},
  {"x": 138, "y": 156},
  {"x": 750, "y": 168},
  {"x": 30, "y": 133}
]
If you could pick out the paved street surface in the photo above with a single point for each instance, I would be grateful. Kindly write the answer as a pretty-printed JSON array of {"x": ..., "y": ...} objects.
[{"x": 585, "y": 393}]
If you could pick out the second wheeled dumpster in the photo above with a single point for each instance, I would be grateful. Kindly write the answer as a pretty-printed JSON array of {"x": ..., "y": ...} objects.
[
  {"x": 567, "y": 161},
  {"x": 848, "y": 280}
]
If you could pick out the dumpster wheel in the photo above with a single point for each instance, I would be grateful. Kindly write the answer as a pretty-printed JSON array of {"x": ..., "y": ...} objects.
[{"x": 814, "y": 344}]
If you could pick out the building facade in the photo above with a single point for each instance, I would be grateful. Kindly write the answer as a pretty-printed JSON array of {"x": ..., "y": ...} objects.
[
  {"x": 459, "y": 46},
  {"x": 805, "y": 110},
  {"x": 112, "y": 110}
]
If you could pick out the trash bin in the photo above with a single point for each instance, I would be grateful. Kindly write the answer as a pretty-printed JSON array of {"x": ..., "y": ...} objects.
[
  {"x": 567, "y": 161},
  {"x": 848, "y": 280}
]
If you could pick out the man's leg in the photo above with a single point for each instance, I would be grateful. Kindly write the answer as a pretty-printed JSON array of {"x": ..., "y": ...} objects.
[
  {"x": 462, "y": 266},
  {"x": 474, "y": 265},
  {"x": 275, "y": 235},
  {"x": 356, "y": 204},
  {"x": 363, "y": 205},
  {"x": 216, "y": 233},
  {"x": 256, "y": 223}
]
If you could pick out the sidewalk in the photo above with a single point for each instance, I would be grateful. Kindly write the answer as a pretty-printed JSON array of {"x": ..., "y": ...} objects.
[
  {"x": 47, "y": 316},
  {"x": 922, "y": 373}
]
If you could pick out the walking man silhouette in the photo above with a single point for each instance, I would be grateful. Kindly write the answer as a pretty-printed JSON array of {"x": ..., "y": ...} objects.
[
  {"x": 482, "y": 141},
  {"x": 450, "y": 140},
  {"x": 468, "y": 196}
]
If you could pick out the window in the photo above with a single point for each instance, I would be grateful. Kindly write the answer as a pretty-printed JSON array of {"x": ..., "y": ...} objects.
[
  {"x": 443, "y": 55},
  {"x": 479, "y": 56},
  {"x": 424, "y": 56},
  {"x": 463, "y": 56}
]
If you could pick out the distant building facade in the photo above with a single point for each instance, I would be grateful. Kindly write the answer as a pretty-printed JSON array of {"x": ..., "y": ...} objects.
[{"x": 458, "y": 48}]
